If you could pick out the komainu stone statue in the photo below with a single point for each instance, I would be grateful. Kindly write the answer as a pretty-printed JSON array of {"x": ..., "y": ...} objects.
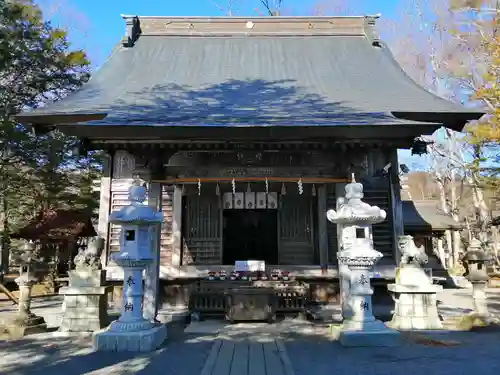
[
  {"x": 89, "y": 257},
  {"x": 85, "y": 299},
  {"x": 413, "y": 258},
  {"x": 413, "y": 293}
]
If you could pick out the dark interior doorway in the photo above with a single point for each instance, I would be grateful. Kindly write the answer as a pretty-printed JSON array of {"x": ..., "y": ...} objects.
[{"x": 250, "y": 235}]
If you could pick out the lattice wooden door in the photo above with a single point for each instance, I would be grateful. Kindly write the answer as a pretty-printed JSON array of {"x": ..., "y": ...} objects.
[
  {"x": 202, "y": 230},
  {"x": 296, "y": 239}
]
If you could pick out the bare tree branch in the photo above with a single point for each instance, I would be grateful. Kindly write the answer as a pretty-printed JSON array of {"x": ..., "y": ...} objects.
[{"x": 228, "y": 11}]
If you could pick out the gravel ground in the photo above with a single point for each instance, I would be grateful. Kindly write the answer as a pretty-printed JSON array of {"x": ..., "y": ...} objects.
[
  {"x": 311, "y": 352},
  {"x": 42, "y": 355},
  {"x": 468, "y": 353}
]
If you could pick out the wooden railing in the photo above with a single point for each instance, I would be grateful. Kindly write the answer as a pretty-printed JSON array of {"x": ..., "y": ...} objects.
[{"x": 209, "y": 297}]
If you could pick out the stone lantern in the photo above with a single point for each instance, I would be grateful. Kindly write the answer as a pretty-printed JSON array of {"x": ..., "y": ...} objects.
[
  {"x": 360, "y": 328},
  {"x": 25, "y": 322},
  {"x": 475, "y": 262},
  {"x": 132, "y": 332}
]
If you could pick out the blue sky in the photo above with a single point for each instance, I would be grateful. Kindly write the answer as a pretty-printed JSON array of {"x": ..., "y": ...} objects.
[{"x": 96, "y": 25}]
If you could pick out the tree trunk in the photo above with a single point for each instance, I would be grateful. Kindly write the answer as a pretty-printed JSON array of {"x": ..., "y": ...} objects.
[
  {"x": 454, "y": 213},
  {"x": 444, "y": 206},
  {"x": 4, "y": 239}
]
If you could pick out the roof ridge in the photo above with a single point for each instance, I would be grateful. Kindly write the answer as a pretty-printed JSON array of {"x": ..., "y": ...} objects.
[{"x": 250, "y": 26}]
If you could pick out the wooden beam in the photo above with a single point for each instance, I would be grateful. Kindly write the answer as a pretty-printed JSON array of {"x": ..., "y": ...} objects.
[
  {"x": 9, "y": 295},
  {"x": 305, "y": 180}
]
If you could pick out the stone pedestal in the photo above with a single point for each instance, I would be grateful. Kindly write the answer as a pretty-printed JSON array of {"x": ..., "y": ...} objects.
[
  {"x": 361, "y": 328},
  {"x": 132, "y": 332},
  {"x": 415, "y": 307},
  {"x": 24, "y": 322},
  {"x": 414, "y": 294},
  {"x": 85, "y": 301}
]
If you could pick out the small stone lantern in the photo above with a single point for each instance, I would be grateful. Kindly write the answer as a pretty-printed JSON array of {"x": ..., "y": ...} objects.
[
  {"x": 356, "y": 218},
  {"x": 25, "y": 322},
  {"x": 475, "y": 262},
  {"x": 132, "y": 332}
]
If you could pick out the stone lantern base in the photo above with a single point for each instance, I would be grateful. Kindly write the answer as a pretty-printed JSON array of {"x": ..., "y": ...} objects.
[
  {"x": 368, "y": 334},
  {"x": 20, "y": 326},
  {"x": 142, "y": 340}
]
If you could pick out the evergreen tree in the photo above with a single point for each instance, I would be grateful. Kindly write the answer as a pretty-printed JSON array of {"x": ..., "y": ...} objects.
[{"x": 36, "y": 65}]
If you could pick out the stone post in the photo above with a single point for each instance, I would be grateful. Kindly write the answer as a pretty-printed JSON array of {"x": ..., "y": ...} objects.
[
  {"x": 360, "y": 328},
  {"x": 24, "y": 321},
  {"x": 132, "y": 332}
]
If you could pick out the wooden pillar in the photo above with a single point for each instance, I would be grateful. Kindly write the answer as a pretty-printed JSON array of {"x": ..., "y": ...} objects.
[
  {"x": 344, "y": 281},
  {"x": 152, "y": 279},
  {"x": 396, "y": 205},
  {"x": 322, "y": 228},
  {"x": 104, "y": 207},
  {"x": 177, "y": 227}
]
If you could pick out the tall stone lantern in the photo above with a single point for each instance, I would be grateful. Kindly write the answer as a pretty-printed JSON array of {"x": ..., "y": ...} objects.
[
  {"x": 360, "y": 328},
  {"x": 132, "y": 332}
]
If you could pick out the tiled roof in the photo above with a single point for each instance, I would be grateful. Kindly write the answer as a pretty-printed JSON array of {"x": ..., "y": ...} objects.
[{"x": 222, "y": 73}]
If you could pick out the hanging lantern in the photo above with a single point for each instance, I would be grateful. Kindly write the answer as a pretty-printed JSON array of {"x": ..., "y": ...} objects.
[
  {"x": 419, "y": 147},
  {"x": 233, "y": 185},
  {"x": 283, "y": 190},
  {"x": 267, "y": 186},
  {"x": 313, "y": 190},
  {"x": 199, "y": 187},
  {"x": 300, "y": 186},
  {"x": 217, "y": 189}
]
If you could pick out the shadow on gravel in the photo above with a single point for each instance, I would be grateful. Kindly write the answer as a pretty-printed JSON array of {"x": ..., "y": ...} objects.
[
  {"x": 180, "y": 355},
  {"x": 422, "y": 354}
]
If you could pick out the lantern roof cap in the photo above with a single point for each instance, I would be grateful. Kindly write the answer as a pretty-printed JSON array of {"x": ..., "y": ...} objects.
[
  {"x": 354, "y": 210},
  {"x": 136, "y": 212}
]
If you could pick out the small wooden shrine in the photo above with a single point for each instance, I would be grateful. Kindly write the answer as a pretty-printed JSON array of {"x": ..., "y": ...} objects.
[{"x": 57, "y": 233}]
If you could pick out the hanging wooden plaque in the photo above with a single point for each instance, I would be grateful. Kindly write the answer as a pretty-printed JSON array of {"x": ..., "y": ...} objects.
[
  {"x": 239, "y": 200},
  {"x": 261, "y": 200},
  {"x": 228, "y": 201},
  {"x": 272, "y": 200},
  {"x": 250, "y": 200}
]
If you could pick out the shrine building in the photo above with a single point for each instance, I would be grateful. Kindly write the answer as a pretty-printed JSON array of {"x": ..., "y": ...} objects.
[{"x": 246, "y": 130}]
